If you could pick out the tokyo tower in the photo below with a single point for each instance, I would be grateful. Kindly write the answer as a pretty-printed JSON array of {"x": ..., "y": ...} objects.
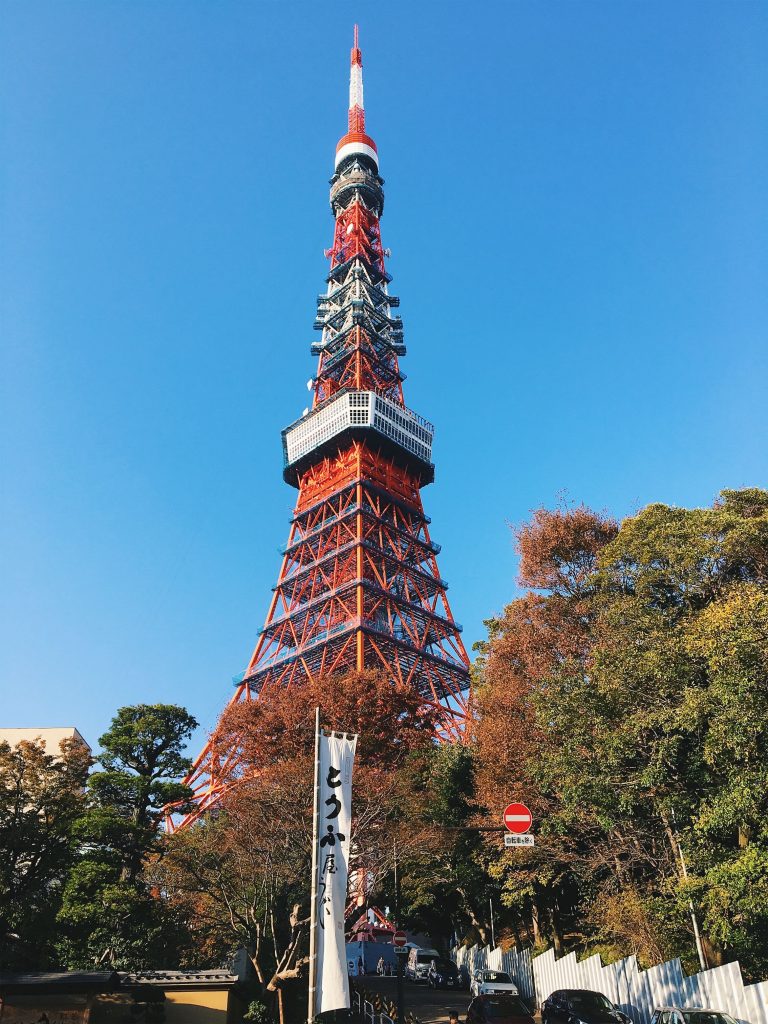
[{"x": 359, "y": 587}]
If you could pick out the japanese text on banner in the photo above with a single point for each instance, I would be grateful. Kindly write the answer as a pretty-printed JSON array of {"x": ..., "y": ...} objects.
[{"x": 334, "y": 826}]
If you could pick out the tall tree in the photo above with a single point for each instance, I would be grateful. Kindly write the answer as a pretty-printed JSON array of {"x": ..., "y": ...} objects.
[
  {"x": 243, "y": 877},
  {"x": 628, "y": 694},
  {"x": 41, "y": 797},
  {"x": 109, "y": 914},
  {"x": 541, "y": 644}
]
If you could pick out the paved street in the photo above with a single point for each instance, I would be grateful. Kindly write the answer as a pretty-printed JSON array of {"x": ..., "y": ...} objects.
[{"x": 431, "y": 1006}]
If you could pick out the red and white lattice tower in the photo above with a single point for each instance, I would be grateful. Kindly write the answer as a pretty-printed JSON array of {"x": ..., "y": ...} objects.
[{"x": 359, "y": 586}]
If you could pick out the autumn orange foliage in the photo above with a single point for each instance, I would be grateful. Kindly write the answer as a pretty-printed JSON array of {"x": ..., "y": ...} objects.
[{"x": 392, "y": 721}]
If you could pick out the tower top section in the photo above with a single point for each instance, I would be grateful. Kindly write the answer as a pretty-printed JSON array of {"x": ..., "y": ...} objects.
[{"x": 356, "y": 142}]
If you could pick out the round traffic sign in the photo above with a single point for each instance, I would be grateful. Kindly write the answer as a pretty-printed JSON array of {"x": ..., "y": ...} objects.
[
  {"x": 399, "y": 939},
  {"x": 518, "y": 818}
]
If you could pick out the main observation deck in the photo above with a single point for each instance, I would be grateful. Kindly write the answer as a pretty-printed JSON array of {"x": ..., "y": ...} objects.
[{"x": 364, "y": 415}]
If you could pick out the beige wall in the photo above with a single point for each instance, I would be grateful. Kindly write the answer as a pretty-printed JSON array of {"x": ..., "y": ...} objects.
[
  {"x": 58, "y": 1009},
  {"x": 50, "y": 737},
  {"x": 201, "y": 1006},
  {"x": 181, "y": 1006}
]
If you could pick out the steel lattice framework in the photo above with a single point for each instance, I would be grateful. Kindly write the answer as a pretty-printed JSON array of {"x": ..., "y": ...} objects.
[{"x": 359, "y": 586}]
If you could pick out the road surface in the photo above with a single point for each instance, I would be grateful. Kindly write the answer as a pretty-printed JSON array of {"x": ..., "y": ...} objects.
[{"x": 430, "y": 1005}]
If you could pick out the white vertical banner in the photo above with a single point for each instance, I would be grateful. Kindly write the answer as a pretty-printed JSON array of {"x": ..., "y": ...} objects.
[{"x": 331, "y": 855}]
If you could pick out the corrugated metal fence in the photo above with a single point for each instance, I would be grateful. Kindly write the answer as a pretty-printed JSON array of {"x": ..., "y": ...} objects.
[
  {"x": 634, "y": 991},
  {"x": 516, "y": 962}
]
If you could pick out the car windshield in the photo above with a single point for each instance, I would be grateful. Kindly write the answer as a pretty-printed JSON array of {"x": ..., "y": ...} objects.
[
  {"x": 707, "y": 1017},
  {"x": 444, "y": 965},
  {"x": 590, "y": 1001},
  {"x": 499, "y": 976},
  {"x": 497, "y": 1007}
]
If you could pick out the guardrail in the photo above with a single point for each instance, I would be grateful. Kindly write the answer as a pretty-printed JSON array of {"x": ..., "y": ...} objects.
[{"x": 370, "y": 1006}]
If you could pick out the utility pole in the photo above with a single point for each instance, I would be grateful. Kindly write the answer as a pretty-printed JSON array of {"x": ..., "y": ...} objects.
[
  {"x": 399, "y": 953},
  {"x": 493, "y": 932},
  {"x": 695, "y": 923}
]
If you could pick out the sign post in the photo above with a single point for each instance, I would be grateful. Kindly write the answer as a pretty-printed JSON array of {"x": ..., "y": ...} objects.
[{"x": 398, "y": 941}]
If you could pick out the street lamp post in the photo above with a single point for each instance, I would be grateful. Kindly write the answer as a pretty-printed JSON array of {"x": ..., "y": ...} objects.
[{"x": 399, "y": 952}]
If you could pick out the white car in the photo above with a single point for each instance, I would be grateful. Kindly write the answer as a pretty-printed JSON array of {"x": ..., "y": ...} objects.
[
  {"x": 485, "y": 982},
  {"x": 691, "y": 1015}
]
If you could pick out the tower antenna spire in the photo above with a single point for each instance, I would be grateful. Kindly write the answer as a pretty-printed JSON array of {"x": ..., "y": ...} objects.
[
  {"x": 356, "y": 142},
  {"x": 356, "y": 104}
]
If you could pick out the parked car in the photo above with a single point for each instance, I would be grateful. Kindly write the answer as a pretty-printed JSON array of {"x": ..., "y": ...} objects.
[
  {"x": 485, "y": 982},
  {"x": 691, "y": 1015},
  {"x": 581, "y": 1006},
  {"x": 443, "y": 974},
  {"x": 498, "y": 1008},
  {"x": 419, "y": 959}
]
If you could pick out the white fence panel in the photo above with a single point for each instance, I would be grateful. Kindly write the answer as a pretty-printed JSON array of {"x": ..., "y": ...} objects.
[
  {"x": 517, "y": 962},
  {"x": 756, "y": 1003},
  {"x": 636, "y": 992},
  {"x": 495, "y": 959}
]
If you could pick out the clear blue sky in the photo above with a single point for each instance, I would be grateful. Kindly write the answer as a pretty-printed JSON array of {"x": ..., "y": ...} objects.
[{"x": 576, "y": 207}]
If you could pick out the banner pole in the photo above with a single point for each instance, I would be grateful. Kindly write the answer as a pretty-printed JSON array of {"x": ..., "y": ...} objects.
[{"x": 313, "y": 903}]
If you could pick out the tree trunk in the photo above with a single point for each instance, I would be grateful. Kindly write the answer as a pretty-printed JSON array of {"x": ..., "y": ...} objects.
[
  {"x": 535, "y": 922},
  {"x": 713, "y": 953},
  {"x": 481, "y": 928},
  {"x": 290, "y": 965},
  {"x": 555, "y": 931}
]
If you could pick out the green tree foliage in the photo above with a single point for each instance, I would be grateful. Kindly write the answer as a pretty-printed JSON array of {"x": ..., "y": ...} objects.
[
  {"x": 625, "y": 697},
  {"x": 445, "y": 882},
  {"x": 41, "y": 796},
  {"x": 109, "y": 914}
]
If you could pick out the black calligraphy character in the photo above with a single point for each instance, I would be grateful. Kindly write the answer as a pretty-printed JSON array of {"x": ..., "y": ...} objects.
[
  {"x": 321, "y": 898},
  {"x": 334, "y": 802},
  {"x": 333, "y": 777},
  {"x": 329, "y": 866},
  {"x": 330, "y": 839}
]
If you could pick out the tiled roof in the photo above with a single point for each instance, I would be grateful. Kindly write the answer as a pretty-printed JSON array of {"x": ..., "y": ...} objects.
[
  {"x": 98, "y": 981},
  {"x": 179, "y": 979}
]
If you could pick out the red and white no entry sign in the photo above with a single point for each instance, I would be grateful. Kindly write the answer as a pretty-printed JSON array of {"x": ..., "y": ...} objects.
[
  {"x": 518, "y": 818},
  {"x": 399, "y": 939}
]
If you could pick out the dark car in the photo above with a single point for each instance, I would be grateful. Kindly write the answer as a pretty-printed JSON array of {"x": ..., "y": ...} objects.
[
  {"x": 443, "y": 974},
  {"x": 580, "y": 1006},
  {"x": 499, "y": 1008}
]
